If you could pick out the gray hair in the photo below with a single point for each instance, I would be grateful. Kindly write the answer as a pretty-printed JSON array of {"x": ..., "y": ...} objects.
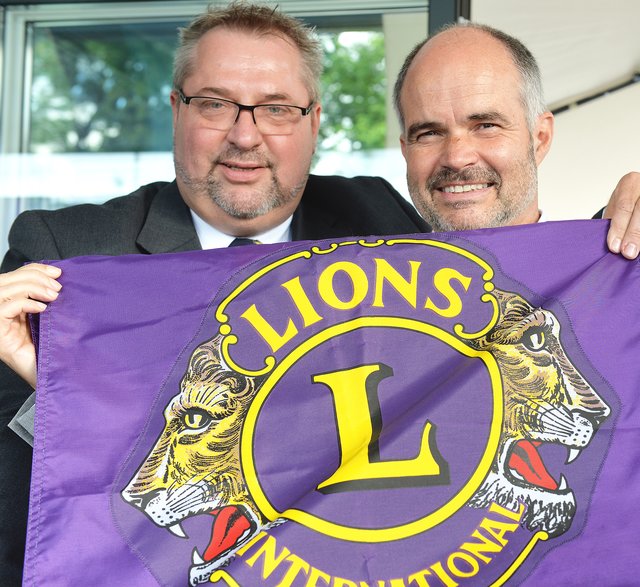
[
  {"x": 532, "y": 95},
  {"x": 252, "y": 18}
]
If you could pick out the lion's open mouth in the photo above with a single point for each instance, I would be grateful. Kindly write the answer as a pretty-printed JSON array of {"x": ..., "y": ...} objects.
[
  {"x": 231, "y": 527},
  {"x": 526, "y": 464}
]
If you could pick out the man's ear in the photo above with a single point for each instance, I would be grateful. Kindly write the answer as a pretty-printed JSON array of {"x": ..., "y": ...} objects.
[
  {"x": 543, "y": 136},
  {"x": 175, "y": 102},
  {"x": 315, "y": 119},
  {"x": 403, "y": 146}
]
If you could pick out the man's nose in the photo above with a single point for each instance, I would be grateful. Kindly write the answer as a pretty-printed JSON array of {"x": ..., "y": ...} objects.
[
  {"x": 459, "y": 151},
  {"x": 244, "y": 131}
]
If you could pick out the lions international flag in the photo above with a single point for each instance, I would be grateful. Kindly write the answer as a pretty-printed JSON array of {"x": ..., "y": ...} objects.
[{"x": 434, "y": 410}]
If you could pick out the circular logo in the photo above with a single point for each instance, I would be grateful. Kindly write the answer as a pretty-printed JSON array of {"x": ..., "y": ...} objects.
[{"x": 376, "y": 430}]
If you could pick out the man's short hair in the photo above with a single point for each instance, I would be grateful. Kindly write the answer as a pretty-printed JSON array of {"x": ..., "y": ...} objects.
[
  {"x": 259, "y": 20},
  {"x": 532, "y": 94}
]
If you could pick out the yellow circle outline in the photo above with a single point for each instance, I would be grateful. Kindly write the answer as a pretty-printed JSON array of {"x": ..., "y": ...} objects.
[
  {"x": 371, "y": 534},
  {"x": 223, "y": 318}
]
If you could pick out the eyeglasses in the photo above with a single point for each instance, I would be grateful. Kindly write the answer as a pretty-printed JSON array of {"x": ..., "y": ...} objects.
[{"x": 271, "y": 119}]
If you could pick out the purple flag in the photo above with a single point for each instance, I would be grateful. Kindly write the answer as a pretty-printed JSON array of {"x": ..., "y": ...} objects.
[{"x": 414, "y": 411}]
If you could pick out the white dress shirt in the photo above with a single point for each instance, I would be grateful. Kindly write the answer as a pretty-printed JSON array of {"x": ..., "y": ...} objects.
[{"x": 212, "y": 238}]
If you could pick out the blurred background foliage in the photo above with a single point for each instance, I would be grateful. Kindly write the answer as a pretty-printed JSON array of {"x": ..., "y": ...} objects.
[{"x": 106, "y": 89}]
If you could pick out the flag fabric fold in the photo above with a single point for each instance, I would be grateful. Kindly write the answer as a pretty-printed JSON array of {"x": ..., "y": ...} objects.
[{"x": 410, "y": 411}]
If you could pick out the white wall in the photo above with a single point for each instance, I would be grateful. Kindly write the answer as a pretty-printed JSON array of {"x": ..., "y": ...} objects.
[
  {"x": 594, "y": 146},
  {"x": 401, "y": 33},
  {"x": 582, "y": 47}
]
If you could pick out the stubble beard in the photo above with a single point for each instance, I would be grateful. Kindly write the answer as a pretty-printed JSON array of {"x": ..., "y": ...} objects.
[
  {"x": 510, "y": 203},
  {"x": 252, "y": 204}
]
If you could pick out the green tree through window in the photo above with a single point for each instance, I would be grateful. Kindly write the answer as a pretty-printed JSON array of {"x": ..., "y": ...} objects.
[
  {"x": 106, "y": 88},
  {"x": 354, "y": 90},
  {"x": 102, "y": 88}
]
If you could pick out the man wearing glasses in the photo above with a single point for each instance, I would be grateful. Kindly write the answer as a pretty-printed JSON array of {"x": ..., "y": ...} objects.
[{"x": 246, "y": 114}]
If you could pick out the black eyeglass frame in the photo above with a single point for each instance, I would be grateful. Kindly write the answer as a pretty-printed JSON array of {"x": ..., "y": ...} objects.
[{"x": 241, "y": 107}]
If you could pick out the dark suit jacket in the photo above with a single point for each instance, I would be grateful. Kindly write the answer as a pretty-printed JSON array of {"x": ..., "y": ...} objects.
[{"x": 155, "y": 219}]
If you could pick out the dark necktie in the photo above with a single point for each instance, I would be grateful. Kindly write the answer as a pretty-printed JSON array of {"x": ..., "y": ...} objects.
[{"x": 241, "y": 242}]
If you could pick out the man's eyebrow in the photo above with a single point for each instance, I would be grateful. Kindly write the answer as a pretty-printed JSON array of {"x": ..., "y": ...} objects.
[
  {"x": 211, "y": 91},
  {"x": 426, "y": 125},
  {"x": 489, "y": 116},
  {"x": 227, "y": 95}
]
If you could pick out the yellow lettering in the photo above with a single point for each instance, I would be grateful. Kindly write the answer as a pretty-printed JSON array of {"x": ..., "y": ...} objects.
[
  {"x": 268, "y": 551},
  {"x": 359, "y": 283},
  {"x": 359, "y": 425},
  {"x": 302, "y": 301},
  {"x": 442, "y": 282},
  {"x": 266, "y": 331},
  {"x": 485, "y": 545},
  {"x": 407, "y": 289},
  {"x": 443, "y": 576},
  {"x": 498, "y": 529},
  {"x": 219, "y": 575},
  {"x": 340, "y": 582},
  {"x": 247, "y": 545},
  {"x": 498, "y": 509},
  {"x": 420, "y": 578},
  {"x": 467, "y": 558},
  {"x": 297, "y": 566}
]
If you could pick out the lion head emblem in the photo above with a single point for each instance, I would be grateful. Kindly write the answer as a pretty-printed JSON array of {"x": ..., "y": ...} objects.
[
  {"x": 194, "y": 467},
  {"x": 547, "y": 402}
]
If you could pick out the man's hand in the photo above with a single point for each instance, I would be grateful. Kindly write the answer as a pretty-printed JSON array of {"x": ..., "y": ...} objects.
[
  {"x": 24, "y": 291},
  {"x": 624, "y": 210}
]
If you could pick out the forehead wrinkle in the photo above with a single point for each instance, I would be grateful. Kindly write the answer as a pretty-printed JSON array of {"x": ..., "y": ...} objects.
[
  {"x": 247, "y": 68},
  {"x": 426, "y": 125},
  {"x": 469, "y": 104},
  {"x": 219, "y": 92},
  {"x": 491, "y": 115}
]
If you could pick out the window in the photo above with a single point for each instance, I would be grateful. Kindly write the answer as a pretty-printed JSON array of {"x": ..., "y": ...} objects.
[{"x": 85, "y": 108}]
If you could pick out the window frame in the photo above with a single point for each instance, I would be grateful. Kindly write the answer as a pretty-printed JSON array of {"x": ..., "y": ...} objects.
[{"x": 19, "y": 23}]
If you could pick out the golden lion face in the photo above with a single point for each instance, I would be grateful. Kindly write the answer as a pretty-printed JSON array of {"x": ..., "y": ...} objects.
[
  {"x": 547, "y": 401},
  {"x": 194, "y": 466}
]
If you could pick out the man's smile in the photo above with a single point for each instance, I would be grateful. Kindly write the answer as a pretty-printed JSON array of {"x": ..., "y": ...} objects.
[
  {"x": 460, "y": 188},
  {"x": 241, "y": 171}
]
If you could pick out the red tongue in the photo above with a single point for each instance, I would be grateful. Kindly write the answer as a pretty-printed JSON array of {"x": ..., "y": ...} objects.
[
  {"x": 527, "y": 462},
  {"x": 228, "y": 527}
]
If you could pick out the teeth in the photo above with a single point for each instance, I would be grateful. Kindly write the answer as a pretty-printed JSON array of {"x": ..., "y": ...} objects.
[
  {"x": 196, "y": 558},
  {"x": 574, "y": 453},
  {"x": 245, "y": 535},
  {"x": 241, "y": 168},
  {"x": 517, "y": 475},
  {"x": 563, "y": 485},
  {"x": 450, "y": 189},
  {"x": 177, "y": 530}
]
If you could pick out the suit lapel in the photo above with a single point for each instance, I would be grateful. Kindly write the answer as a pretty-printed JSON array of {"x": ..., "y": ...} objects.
[
  {"x": 168, "y": 227},
  {"x": 311, "y": 221}
]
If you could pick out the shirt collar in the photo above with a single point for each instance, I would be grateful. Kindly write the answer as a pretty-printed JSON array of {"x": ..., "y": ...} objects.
[{"x": 211, "y": 238}]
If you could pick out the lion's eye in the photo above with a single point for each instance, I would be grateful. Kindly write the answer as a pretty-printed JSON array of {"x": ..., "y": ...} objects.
[
  {"x": 196, "y": 419},
  {"x": 534, "y": 339}
]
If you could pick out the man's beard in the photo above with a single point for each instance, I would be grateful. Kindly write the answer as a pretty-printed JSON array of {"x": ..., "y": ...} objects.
[
  {"x": 509, "y": 205},
  {"x": 258, "y": 203}
]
